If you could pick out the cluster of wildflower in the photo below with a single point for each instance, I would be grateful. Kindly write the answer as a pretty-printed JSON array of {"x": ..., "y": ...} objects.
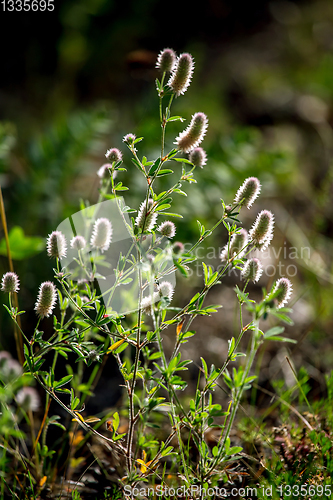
[
  {"x": 100, "y": 239},
  {"x": 181, "y": 69},
  {"x": 259, "y": 237}
]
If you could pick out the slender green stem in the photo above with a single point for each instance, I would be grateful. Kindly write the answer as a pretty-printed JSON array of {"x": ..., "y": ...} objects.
[{"x": 238, "y": 394}]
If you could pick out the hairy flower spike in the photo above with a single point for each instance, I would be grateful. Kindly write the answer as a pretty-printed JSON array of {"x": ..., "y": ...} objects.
[
  {"x": 146, "y": 218},
  {"x": 78, "y": 243},
  {"x": 114, "y": 155},
  {"x": 193, "y": 135},
  {"x": 261, "y": 232},
  {"x": 166, "y": 60},
  {"x": 252, "y": 270},
  {"x": 10, "y": 282},
  {"x": 237, "y": 246},
  {"x": 281, "y": 293},
  {"x": 198, "y": 157},
  {"x": 46, "y": 300},
  {"x": 101, "y": 234},
  {"x": 181, "y": 75},
  {"x": 248, "y": 192},
  {"x": 167, "y": 228},
  {"x": 56, "y": 245}
]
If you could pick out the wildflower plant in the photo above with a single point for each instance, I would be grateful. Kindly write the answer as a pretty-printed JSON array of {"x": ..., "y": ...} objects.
[{"x": 116, "y": 268}]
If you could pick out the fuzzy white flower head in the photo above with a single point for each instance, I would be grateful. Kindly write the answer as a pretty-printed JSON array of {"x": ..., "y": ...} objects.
[
  {"x": 198, "y": 157},
  {"x": 10, "y": 282},
  {"x": 261, "y": 232},
  {"x": 252, "y": 270},
  {"x": 28, "y": 398},
  {"x": 146, "y": 218},
  {"x": 78, "y": 242},
  {"x": 181, "y": 75},
  {"x": 166, "y": 60},
  {"x": 281, "y": 293},
  {"x": 101, "y": 234},
  {"x": 237, "y": 246},
  {"x": 165, "y": 289},
  {"x": 248, "y": 192},
  {"x": 10, "y": 368},
  {"x": 114, "y": 155},
  {"x": 56, "y": 245},
  {"x": 193, "y": 135},
  {"x": 167, "y": 228},
  {"x": 46, "y": 300}
]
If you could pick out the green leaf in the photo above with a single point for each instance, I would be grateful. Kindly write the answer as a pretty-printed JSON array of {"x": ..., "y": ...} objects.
[
  {"x": 234, "y": 450},
  {"x": 21, "y": 246},
  {"x": 204, "y": 365},
  {"x": 175, "y": 119},
  {"x": 154, "y": 167},
  {"x": 160, "y": 208},
  {"x": 283, "y": 339},
  {"x": 138, "y": 139},
  {"x": 63, "y": 381},
  {"x": 165, "y": 171},
  {"x": 272, "y": 332},
  {"x": 115, "y": 423},
  {"x": 179, "y": 191},
  {"x": 182, "y": 160},
  {"x": 171, "y": 215},
  {"x": 120, "y": 187}
]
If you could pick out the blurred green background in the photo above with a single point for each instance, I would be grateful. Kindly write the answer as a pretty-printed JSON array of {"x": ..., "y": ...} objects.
[{"x": 76, "y": 80}]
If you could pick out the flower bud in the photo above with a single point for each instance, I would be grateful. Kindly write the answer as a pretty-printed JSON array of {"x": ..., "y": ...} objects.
[
  {"x": 178, "y": 248},
  {"x": 93, "y": 355},
  {"x": 198, "y": 157},
  {"x": 56, "y": 245},
  {"x": 237, "y": 246},
  {"x": 166, "y": 60},
  {"x": 193, "y": 135},
  {"x": 167, "y": 228},
  {"x": 281, "y": 293},
  {"x": 10, "y": 282},
  {"x": 46, "y": 300},
  {"x": 252, "y": 270},
  {"x": 114, "y": 155},
  {"x": 181, "y": 75},
  {"x": 146, "y": 218},
  {"x": 248, "y": 192},
  {"x": 129, "y": 139},
  {"x": 101, "y": 234},
  {"x": 78, "y": 243},
  {"x": 261, "y": 232}
]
